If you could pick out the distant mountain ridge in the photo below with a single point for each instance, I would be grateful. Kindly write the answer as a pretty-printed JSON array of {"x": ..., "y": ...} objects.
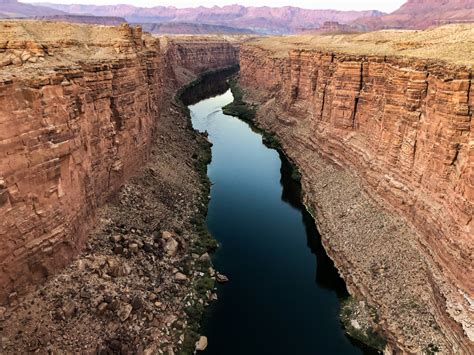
[
  {"x": 191, "y": 28},
  {"x": 420, "y": 14},
  {"x": 264, "y": 19},
  {"x": 414, "y": 14},
  {"x": 13, "y": 8}
]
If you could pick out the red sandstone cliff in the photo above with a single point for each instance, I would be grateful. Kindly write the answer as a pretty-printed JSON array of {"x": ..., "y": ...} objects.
[
  {"x": 403, "y": 130},
  {"x": 79, "y": 105}
]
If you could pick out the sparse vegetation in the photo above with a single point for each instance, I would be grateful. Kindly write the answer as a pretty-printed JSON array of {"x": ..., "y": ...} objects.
[
  {"x": 451, "y": 43},
  {"x": 238, "y": 107},
  {"x": 365, "y": 333},
  {"x": 204, "y": 284},
  {"x": 189, "y": 343},
  {"x": 431, "y": 349},
  {"x": 205, "y": 242}
]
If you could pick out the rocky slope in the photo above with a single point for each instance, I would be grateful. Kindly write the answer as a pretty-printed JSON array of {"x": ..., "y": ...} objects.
[
  {"x": 80, "y": 109},
  {"x": 419, "y": 14},
  {"x": 383, "y": 139}
]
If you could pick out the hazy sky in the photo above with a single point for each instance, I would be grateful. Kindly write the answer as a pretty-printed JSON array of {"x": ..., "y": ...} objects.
[{"x": 382, "y": 5}]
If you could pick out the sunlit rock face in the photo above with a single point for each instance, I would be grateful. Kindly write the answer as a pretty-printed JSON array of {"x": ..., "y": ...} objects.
[
  {"x": 402, "y": 128},
  {"x": 75, "y": 123}
]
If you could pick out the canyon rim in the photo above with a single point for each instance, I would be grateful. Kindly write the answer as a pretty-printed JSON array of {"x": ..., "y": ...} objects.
[{"x": 103, "y": 188}]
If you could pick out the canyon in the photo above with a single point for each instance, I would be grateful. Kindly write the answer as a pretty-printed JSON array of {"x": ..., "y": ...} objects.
[
  {"x": 380, "y": 126},
  {"x": 82, "y": 110},
  {"x": 77, "y": 121},
  {"x": 101, "y": 178}
]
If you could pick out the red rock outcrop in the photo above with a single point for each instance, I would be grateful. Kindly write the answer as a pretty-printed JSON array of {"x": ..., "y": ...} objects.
[
  {"x": 403, "y": 129},
  {"x": 75, "y": 123}
]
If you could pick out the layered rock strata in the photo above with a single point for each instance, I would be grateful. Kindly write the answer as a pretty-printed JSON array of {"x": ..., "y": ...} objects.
[
  {"x": 79, "y": 108},
  {"x": 385, "y": 147}
]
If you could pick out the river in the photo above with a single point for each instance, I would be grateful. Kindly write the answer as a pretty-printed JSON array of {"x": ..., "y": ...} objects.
[{"x": 284, "y": 292}]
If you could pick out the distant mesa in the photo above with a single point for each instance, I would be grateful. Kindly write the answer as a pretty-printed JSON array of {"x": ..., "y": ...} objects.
[
  {"x": 191, "y": 28},
  {"x": 89, "y": 19},
  {"x": 330, "y": 27}
]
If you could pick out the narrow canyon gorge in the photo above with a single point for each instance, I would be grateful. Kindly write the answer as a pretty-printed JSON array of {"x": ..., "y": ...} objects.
[{"x": 103, "y": 181}]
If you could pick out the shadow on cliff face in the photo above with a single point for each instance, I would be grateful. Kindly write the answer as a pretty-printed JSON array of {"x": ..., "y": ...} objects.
[{"x": 210, "y": 85}]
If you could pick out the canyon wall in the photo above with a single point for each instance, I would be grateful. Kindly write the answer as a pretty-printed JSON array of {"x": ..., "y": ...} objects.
[
  {"x": 79, "y": 109},
  {"x": 403, "y": 129}
]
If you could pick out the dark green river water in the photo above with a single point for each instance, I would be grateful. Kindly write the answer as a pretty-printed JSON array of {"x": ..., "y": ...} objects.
[{"x": 283, "y": 295}]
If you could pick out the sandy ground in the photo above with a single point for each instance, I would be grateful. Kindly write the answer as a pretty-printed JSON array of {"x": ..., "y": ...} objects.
[{"x": 451, "y": 43}]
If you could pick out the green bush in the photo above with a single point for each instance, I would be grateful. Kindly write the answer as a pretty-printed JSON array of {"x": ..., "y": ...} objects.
[
  {"x": 204, "y": 284},
  {"x": 189, "y": 343}
]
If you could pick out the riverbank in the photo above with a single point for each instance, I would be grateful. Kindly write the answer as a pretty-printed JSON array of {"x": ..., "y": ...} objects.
[{"x": 144, "y": 278}]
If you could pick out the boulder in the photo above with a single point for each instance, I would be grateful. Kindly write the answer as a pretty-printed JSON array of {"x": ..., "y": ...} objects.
[
  {"x": 124, "y": 310},
  {"x": 171, "y": 247},
  {"x": 133, "y": 247},
  {"x": 221, "y": 278},
  {"x": 205, "y": 257},
  {"x": 180, "y": 277},
  {"x": 137, "y": 303},
  {"x": 25, "y": 56},
  {"x": 5, "y": 61},
  {"x": 201, "y": 344},
  {"x": 166, "y": 235}
]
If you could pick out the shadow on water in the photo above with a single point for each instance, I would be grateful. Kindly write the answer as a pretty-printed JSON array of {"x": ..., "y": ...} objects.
[
  {"x": 209, "y": 85},
  {"x": 284, "y": 291},
  {"x": 326, "y": 274}
]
